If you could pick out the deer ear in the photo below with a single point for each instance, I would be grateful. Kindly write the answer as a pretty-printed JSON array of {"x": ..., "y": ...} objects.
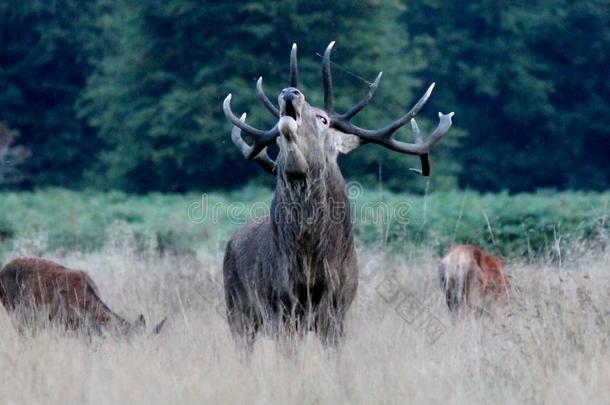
[{"x": 345, "y": 143}]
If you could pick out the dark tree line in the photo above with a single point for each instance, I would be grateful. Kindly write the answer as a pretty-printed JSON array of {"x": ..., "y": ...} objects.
[{"x": 127, "y": 94}]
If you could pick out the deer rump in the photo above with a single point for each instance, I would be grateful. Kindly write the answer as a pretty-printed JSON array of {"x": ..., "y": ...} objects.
[
  {"x": 472, "y": 278},
  {"x": 69, "y": 297}
]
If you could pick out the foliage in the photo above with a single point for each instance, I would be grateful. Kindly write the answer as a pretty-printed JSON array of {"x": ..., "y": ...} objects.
[
  {"x": 10, "y": 156},
  {"x": 521, "y": 225},
  {"x": 42, "y": 73},
  {"x": 529, "y": 81},
  {"x": 127, "y": 94},
  {"x": 163, "y": 70}
]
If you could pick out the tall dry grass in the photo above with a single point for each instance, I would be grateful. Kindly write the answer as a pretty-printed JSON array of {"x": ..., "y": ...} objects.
[{"x": 550, "y": 346}]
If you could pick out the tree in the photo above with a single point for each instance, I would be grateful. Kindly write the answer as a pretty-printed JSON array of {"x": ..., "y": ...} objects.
[
  {"x": 530, "y": 85},
  {"x": 572, "y": 39},
  {"x": 10, "y": 156},
  {"x": 127, "y": 94},
  {"x": 42, "y": 72},
  {"x": 163, "y": 69}
]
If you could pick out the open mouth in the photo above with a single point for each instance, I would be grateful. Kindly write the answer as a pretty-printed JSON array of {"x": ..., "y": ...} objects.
[{"x": 289, "y": 110}]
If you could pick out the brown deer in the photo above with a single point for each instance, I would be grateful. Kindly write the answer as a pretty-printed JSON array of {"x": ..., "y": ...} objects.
[
  {"x": 296, "y": 269},
  {"x": 472, "y": 278},
  {"x": 67, "y": 296}
]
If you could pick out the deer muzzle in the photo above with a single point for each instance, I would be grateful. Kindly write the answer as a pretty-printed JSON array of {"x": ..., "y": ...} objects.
[{"x": 291, "y": 103}]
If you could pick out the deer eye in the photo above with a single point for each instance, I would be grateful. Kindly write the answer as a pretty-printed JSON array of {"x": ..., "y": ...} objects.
[{"x": 323, "y": 119}]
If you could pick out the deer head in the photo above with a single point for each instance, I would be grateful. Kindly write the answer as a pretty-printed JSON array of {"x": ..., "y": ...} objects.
[{"x": 309, "y": 138}]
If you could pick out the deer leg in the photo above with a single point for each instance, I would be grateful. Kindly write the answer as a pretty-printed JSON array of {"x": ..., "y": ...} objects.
[
  {"x": 329, "y": 321},
  {"x": 244, "y": 329},
  {"x": 244, "y": 323}
]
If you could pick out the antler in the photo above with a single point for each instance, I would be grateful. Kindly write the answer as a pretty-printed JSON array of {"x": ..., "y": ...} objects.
[
  {"x": 425, "y": 162},
  {"x": 263, "y": 97},
  {"x": 262, "y": 158},
  {"x": 262, "y": 139},
  {"x": 384, "y": 135},
  {"x": 294, "y": 72}
]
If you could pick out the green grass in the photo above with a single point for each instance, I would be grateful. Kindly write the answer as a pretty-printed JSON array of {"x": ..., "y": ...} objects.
[
  {"x": 549, "y": 344},
  {"x": 514, "y": 225}
]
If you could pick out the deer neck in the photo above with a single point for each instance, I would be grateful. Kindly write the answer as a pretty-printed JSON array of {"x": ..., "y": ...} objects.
[{"x": 311, "y": 215}]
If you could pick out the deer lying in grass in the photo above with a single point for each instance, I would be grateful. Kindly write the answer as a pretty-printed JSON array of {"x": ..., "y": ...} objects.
[
  {"x": 472, "y": 278},
  {"x": 67, "y": 296},
  {"x": 296, "y": 270}
]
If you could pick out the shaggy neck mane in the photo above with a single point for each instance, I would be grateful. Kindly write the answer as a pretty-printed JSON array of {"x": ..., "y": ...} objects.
[{"x": 311, "y": 216}]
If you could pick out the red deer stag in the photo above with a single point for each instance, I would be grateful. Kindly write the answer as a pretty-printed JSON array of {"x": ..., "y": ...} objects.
[
  {"x": 470, "y": 276},
  {"x": 69, "y": 296},
  {"x": 296, "y": 270}
]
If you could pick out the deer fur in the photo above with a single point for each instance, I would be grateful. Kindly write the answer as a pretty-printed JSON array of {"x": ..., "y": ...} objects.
[
  {"x": 67, "y": 296},
  {"x": 296, "y": 270},
  {"x": 472, "y": 278},
  {"x": 298, "y": 265}
]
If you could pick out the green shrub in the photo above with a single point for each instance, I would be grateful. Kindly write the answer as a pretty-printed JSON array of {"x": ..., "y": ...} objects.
[{"x": 514, "y": 225}]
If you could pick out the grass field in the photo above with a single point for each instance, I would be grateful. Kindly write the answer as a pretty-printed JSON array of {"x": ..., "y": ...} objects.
[{"x": 550, "y": 345}]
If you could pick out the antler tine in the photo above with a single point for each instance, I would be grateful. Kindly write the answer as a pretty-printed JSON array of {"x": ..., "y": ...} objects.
[
  {"x": 265, "y": 100},
  {"x": 424, "y": 159},
  {"x": 384, "y": 136},
  {"x": 262, "y": 158},
  {"x": 425, "y": 166},
  {"x": 238, "y": 141},
  {"x": 258, "y": 133},
  {"x": 264, "y": 161},
  {"x": 399, "y": 146},
  {"x": 416, "y": 131},
  {"x": 262, "y": 138},
  {"x": 327, "y": 79},
  {"x": 294, "y": 72},
  {"x": 388, "y": 131},
  {"x": 364, "y": 102}
]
